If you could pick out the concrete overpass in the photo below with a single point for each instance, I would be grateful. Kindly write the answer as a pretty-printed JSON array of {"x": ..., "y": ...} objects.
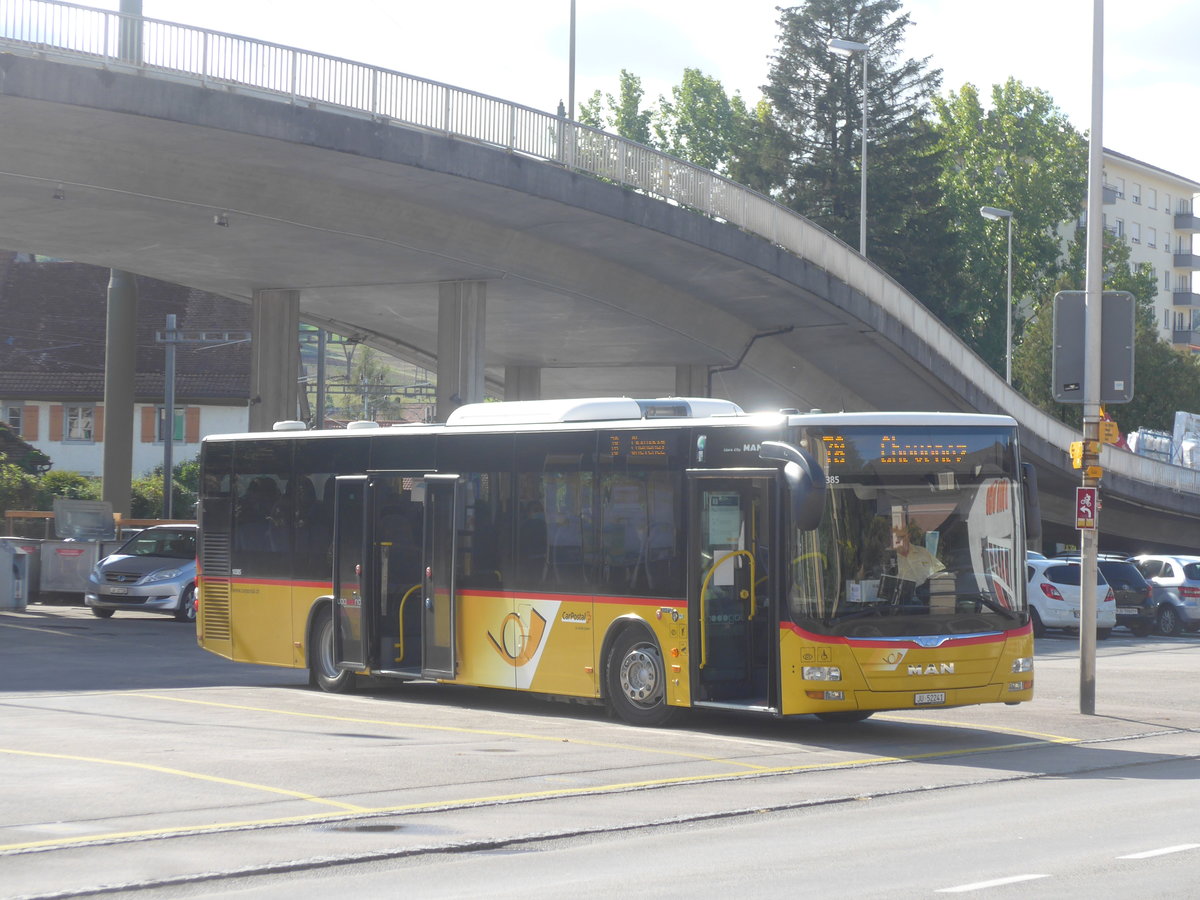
[{"x": 490, "y": 241}]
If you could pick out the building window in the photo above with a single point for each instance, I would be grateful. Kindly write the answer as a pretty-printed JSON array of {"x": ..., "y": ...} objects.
[
  {"x": 1120, "y": 186},
  {"x": 160, "y": 420},
  {"x": 1166, "y": 281},
  {"x": 1135, "y": 232},
  {"x": 1137, "y": 193},
  {"x": 1152, "y": 198},
  {"x": 80, "y": 423},
  {"x": 12, "y": 418},
  {"x": 1167, "y": 319},
  {"x": 1167, "y": 204},
  {"x": 1151, "y": 237},
  {"x": 1119, "y": 228}
]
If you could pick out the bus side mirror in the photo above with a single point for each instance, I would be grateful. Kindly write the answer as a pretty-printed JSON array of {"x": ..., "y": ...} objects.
[
  {"x": 1033, "y": 506},
  {"x": 805, "y": 482}
]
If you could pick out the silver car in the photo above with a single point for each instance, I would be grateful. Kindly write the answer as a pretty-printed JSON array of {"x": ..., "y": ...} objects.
[
  {"x": 1176, "y": 584},
  {"x": 154, "y": 571}
]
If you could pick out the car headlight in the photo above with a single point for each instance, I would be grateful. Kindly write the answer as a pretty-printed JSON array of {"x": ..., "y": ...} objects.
[{"x": 162, "y": 575}]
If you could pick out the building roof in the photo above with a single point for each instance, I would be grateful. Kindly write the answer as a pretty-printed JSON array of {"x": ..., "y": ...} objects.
[
  {"x": 1193, "y": 185},
  {"x": 16, "y": 452},
  {"x": 55, "y": 316}
]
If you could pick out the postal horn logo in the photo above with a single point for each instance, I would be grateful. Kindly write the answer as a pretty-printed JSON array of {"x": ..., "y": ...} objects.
[{"x": 517, "y": 643}]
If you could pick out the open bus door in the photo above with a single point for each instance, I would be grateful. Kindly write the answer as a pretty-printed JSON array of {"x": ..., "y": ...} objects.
[
  {"x": 732, "y": 588},
  {"x": 443, "y": 521},
  {"x": 352, "y": 582}
]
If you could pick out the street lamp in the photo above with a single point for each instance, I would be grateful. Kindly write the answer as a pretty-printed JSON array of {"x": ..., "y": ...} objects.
[
  {"x": 991, "y": 212},
  {"x": 849, "y": 48}
]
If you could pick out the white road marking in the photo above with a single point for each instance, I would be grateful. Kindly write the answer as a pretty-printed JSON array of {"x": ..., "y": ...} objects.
[
  {"x": 1178, "y": 848},
  {"x": 984, "y": 885}
]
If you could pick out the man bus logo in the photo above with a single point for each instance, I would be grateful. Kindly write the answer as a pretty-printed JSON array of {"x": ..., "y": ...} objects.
[
  {"x": 517, "y": 645},
  {"x": 932, "y": 669}
]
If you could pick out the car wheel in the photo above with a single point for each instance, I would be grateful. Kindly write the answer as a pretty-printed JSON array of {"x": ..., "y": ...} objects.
[
  {"x": 1103, "y": 634},
  {"x": 322, "y": 671},
  {"x": 1141, "y": 629},
  {"x": 1039, "y": 630},
  {"x": 187, "y": 606},
  {"x": 102, "y": 613},
  {"x": 1168, "y": 621},
  {"x": 637, "y": 679}
]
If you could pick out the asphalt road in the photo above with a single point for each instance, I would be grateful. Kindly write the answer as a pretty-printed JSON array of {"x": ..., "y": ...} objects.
[{"x": 133, "y": 763}]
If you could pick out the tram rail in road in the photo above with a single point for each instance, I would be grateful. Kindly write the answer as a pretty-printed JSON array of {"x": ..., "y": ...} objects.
[{"x": 132, "y": 758}]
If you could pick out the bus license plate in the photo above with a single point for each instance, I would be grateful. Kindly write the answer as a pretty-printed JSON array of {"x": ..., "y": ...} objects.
[
  {"x": 116, "y": 590},
  {"x": 930, "y": 699}
]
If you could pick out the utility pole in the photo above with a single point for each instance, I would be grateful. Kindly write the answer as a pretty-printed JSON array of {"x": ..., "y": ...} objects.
[
  {"x": 170, "y": 339},
  {"x": 1094, "y": 289}
]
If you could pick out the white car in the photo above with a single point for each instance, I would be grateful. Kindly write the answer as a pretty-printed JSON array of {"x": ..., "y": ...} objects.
[{"x": 1054, "y": 597}]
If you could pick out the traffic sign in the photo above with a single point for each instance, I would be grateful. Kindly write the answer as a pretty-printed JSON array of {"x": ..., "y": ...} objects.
[{"x": 1085, "y": 507}]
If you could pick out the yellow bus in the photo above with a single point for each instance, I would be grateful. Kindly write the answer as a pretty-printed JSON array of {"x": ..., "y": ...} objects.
[{"x": 652, "y": 555}]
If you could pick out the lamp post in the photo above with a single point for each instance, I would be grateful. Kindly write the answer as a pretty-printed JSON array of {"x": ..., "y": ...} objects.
[
  {"x": 849, "y": 48},
  {"x": 991, "y": 212}
]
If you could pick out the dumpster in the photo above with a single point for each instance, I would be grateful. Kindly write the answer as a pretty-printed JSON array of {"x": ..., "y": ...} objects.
[
  {"x": 33, "y": 563},
  {"x": 66, "y": 564},
  {"x": 14, "y": 577}
]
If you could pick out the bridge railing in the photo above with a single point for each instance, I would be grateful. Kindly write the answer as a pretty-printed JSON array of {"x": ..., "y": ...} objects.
[{"x": 73, "y": 33}]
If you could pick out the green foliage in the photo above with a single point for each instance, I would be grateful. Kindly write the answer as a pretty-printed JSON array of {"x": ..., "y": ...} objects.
[
  {"x": 1023, "y": 155},
  {"x": 623, "y": 113},
  {"x": 67, "y": 485},
  {"x": 816, "y": 98},
  {"x": 146, "y": 495},
  {"x": 18, "y": 489},
  {"x": 700, "y": 123}
]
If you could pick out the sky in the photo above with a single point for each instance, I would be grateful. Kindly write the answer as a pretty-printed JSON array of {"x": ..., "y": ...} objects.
[{"x": 520, "y": 50}]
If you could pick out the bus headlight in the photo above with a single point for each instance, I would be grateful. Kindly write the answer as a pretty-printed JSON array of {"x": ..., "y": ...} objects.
[
  {"x": 1024, "y": 664},
  {"x": 821, "y": 673}
]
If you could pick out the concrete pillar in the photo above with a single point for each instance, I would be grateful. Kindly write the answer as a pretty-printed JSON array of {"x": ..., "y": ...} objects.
[
  {"x": 120, "y": 358},
  {"x": 522, "y": 383},
  {"x": 462, "y": 307},
  {"x": 691, "y": 381},
  {"x": 275, "y": 358}
]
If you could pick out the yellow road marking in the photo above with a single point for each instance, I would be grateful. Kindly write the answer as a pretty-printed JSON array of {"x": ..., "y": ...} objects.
[
  {"x": 445, "y": 805},
  {"x": 392, "y": 723},
  {"x": 299, "y": 795},
  {"x": 1002, "y": 729}
]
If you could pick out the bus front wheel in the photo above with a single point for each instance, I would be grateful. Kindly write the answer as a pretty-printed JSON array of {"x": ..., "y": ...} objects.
[
  {"x": 323, "y": 672},
  {"x": 637, "y": 681}
]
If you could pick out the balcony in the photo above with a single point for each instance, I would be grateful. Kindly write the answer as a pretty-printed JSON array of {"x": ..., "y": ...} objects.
[
  {"x": 1187, "y": 221},
  {"x": 1187, "y": 338},
  {"x": 1110, "y": 195},
  {"x": 1187, "y": 260},
  {"x": 1185, "y": 298}
]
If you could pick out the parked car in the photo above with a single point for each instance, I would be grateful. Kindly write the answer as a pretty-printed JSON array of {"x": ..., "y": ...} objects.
[
  {"x": 1054, "y": 597},
  {"x": 1176, "y": 584},
  {"x": 1136, "y": 609},
  {"x": 154, "y": 571}
]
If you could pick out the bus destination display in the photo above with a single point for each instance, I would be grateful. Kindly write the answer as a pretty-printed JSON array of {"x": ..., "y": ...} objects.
[
  {"x": 632, "y": 446},
  {"x": 893, "y": 449}
]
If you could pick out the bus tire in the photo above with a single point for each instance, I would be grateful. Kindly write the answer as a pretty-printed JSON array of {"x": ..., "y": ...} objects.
[
  {"x": 636, "y": 679},
  {"x": 846, "y": 715},
  {"x": 101, "y": 613},
  {"x": 322, "y": 673}
]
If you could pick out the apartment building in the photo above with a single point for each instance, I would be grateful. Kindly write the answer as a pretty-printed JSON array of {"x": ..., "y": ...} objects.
[{"x": 1157, "y": 213}]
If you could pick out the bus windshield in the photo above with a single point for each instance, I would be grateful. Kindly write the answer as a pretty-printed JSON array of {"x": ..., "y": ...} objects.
[{"x": 920, "y": 536}]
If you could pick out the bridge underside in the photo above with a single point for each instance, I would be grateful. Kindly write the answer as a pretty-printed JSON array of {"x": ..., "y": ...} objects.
[{"x": 602, "y": 289}]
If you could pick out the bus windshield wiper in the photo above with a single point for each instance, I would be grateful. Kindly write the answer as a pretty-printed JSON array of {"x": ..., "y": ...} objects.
[{"x": 991, "y": 604}]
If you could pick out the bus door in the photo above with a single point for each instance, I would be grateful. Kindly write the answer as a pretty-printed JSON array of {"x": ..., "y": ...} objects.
[
  {"x": 443, "y": 521},
  {"x": 351, "y": 577},
  {"x": 732, "y": 588},
  {"x": 397, "y": 518}
]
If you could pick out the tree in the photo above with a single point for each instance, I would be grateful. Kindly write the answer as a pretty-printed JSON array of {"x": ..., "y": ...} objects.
[
  {"x": 700, "y": 123},
  {"x": 623, "y": 113},
  {"x": 1022, "y": 155},
  {"x": 1164, "y": 379},
  {"x": 817, "y": 99}
]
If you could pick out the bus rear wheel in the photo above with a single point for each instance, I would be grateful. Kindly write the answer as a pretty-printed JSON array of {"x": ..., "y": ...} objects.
[
  {"x": 637, "y": 680},
  {"x": 323, "y": 672}
]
